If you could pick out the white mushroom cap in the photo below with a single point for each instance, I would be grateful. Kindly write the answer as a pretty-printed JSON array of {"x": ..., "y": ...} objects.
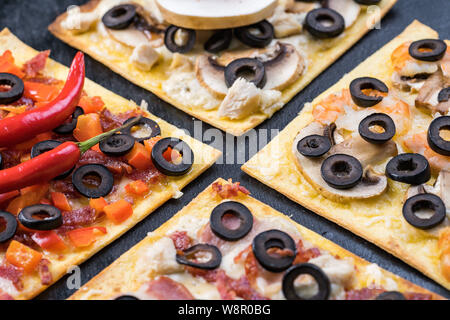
[{"x": 372, "y": 184}]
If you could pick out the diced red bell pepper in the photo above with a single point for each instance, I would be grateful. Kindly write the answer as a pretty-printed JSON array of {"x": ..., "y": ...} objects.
[
  {"x": 84, "y": 237},
  {"x": 22, "y": 256},
  {"x": 40, "y": 92},
  {"x": 98, "y": 204},
  {"x": 137, "y": 187},
  {"x": 118, "y": 211},
  {"x": 7, "y": 64},
  {"x": 49, "y": 240},
  {"x": 91, "y": 105},
  {"x": 60, "y": 201}
]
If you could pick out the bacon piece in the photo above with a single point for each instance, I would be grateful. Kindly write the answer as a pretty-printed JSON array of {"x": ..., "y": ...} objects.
[
  {"x": 118, "y": 167},
  {"x": 11, "y": 158},
  {"x": 111, "y": 121},
  {"x": 181, "y": 240},
  {"x": 36, "y": 64},
  {"x": 65, "y": 186},
  {"x": 165, "y": 288},
  {"x": 363, "y": 294},
  {"x": 44, "y": 272},
  {"x": 229, "y": 190},
  {"x": 12, "y": 274},
  {"x": 304, "y": 255},
  {"x": 80, "y": 217},
  {"x": 150, "y": 175}
]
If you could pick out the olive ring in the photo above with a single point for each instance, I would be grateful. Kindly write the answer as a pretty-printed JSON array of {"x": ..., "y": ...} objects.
[
  {"x": 435, "y": 141},
  {"x": 444, "y": 95},
  {"x": 362, "y": 100},
  {"x": 52, "y": 220},
  {"x": 412, "y": 168},
  {"x": 245, "y": 66},
  {"x": 322, "y": 280},
  {"x": 16, "y": 88},
  {"x": 273, "y": 239},
  {"x": 152, "y": 125},
  {"x": 219, "y": 41},
  {"x": 436, "y": 49},
  {"x": 341, "y": 171},
  {"x": 169, "y": 40},
  {"x": 314, "y": 146},
  {"x": 117, "y": 145},
  {"x": 245, "y": 35},
  {"x": 10, "y": 227},
  {"x": 239, "y": 211},
  {"x": 377, "y": 119},
  {"x": 166, "y": 167},
  {"x": 315, "y": 26},
  {"x": 390, "y": 295},
  {"x": 67, "y": 128},
  {"x": 119, "y": 17},
  {"x": 215, "y": 257},
  {"x": 424, "y": 201},
  {"x": 100, "y": 171}
]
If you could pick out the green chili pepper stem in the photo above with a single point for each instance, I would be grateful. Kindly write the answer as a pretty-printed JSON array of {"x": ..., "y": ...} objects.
[{"x": 87, "y": 144}]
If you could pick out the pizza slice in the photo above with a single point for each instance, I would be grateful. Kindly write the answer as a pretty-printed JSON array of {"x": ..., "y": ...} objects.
[
  {"x": 231, "y": 64},
  {"x": 372, "y": 155},
  {"x": 228, "y": 245},
  {"x": 61, "y": 201}
]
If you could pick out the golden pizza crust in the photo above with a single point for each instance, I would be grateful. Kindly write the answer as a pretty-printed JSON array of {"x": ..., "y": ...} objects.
[
  {"x": 118, "y": 277},
  {"x": 322, "y": 54},
  {"x": 378, "y": 220},
  {"x": 205, "y": 156}
]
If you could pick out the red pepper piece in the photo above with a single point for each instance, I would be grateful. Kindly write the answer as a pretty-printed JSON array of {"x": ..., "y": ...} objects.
[
  {"x": 22, "y": 127},
  {"x": 50, "y": 164}
]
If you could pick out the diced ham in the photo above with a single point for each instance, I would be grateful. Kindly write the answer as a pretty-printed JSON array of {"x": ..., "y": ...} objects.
[
  {"x": 34, "y": 66},
  {"x": 44, "y": 272},
  {"x": 181, "y": 240},
  {"x": 229, "y": 190},
  {"x": 13, "y": 274},
  {"x": 165, "y": 288}
]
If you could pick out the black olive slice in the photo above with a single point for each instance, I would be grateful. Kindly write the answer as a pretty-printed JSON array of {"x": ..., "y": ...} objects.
[
  {"x": 390, "y": 295},
  {"x": 189, "y": 257},
  {"x": 127, "y": 297},
  {"x": 119, "y": 17},
  {"x": 100, "y": 187},
  {"x": 169, "y": 168},
  {"x": 274, "y": 239},
  {"x": 435, "y": 141},
  {"x": 251, "y": 69},
  {"x": 315, "y": 23},
  {"x": 9, "y": 226},
  {"x": 1, "y": 161},
  {"x": 412, "y": 168},
  {"x": 444, "y": 95},
  {"x": 322, "y": 280},
  {"x": 428, "y": 49},
  {"x": 314, "y": 146},
  {"x": 67, "y": 128},
  {"x": 358, "y": 85},
  {"x": 341, "y": 171},
  {"x": 16, "y": 88},
  {"x": 377, "y": 119},
  {"x": 45, "y": 146},
  {"x": 240, "y": 212},
  {"x": 148, "y": 124},
  {"x": 51, "y": 217},
  {"x": 262, "y": 39},
  {"x": 169, "y": 40},
  {"x": 367, "y": 2},
  {"x": 426, "y": 201},
  {"x": 117, "y": 145},
  {"x": 219, "y": 41}
]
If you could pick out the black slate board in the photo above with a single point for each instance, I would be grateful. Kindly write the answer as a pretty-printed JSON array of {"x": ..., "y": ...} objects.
[{"x": 28, "y": 19}]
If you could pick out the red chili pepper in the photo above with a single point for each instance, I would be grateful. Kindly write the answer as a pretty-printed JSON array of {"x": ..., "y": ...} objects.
[
  {"x": 50, "y": 164},
  {"x": 22, "y": 127}
]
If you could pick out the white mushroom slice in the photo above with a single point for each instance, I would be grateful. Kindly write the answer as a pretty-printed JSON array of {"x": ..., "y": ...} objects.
[
  {"x": 215, "y": 14},
  {"x": 211, "y": 76},
  {"x": 372, "y": 184},
  {"x": 144, "y": 56},
  {"x": 444, "y": 189},
  {"x": 348, "y": 9},
  {"x": 283, "y": 66},
  {"x": 301, "y": 7},
  {"x": 79, "y": 22},
  {"x": 407, "y": 84},
  {"x": 130, "y": 37},
  {"x": 242, "y": 100},
  {"x": 428, "y": 94}
]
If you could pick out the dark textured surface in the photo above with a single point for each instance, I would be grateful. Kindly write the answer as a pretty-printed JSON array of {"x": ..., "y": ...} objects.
[{"x": 28, "y": 19}]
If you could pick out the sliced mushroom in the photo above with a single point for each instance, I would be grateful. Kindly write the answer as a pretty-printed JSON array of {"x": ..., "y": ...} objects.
[
  {"x": 440, "y": 188},
  {"x": 143, "y": 30},
  {"x": 372, "y": 184},
  {"x": 348, "y": 9},
  {"x": 283, "y": 66},
  {"x": 428, "y": 94}
]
